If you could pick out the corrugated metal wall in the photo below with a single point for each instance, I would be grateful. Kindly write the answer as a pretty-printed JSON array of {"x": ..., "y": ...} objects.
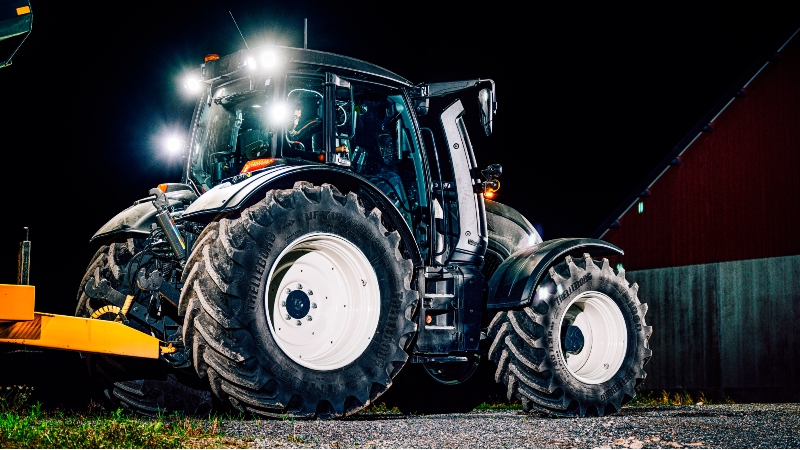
[
  {"x": 726, "y": 329},
  {"x": 737, "y": 195}
]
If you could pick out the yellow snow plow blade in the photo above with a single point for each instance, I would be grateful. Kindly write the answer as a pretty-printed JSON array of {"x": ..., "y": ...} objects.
[{"x": 19, "y": 324}]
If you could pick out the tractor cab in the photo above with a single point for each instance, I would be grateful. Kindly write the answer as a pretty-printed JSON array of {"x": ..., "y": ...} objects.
[{"x": 266, "y": 108}]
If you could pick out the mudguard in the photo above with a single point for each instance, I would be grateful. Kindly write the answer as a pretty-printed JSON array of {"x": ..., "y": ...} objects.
[
  {"x": 509, "y": 230},
  {"x": 138, "y": 218},
  {"x": 513, "y": 284},
  {"x": 241, "y": 191}
]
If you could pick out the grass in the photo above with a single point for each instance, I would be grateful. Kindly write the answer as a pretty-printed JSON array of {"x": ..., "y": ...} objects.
[
  {"x": 516, "y": 406},
  {"x": 676, "y": 398},
  {"x": 23, "y": 425},
  {"x": 380, "y": 408}
]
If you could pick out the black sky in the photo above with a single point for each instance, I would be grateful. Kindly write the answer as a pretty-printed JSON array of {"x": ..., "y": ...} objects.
[{"x": 590, "y": 98}]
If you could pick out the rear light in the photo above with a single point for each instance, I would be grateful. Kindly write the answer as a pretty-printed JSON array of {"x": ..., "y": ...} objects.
[
  {"x": 256, "y": 164},
  {"x": 211, "y": 57}
]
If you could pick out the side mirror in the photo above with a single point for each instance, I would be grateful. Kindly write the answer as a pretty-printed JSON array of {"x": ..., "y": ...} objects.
[
  {"x": 492, "y": 172},
  {"x": 487, "y": 106}
]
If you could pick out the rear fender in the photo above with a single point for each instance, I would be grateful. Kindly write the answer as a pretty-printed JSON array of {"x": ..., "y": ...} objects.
[
  {"x": 513, "y": 284},
  {"x": 242, "y": 192},
  {"x": 138, "y": 218}
]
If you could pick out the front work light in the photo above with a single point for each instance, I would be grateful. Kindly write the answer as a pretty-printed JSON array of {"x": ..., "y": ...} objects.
[
  {"x": 192, "y": 84},
  {"x": 279, "y": 114},
  {"x": 174, "y": 144},
  {"x": 268, "y": 59}
]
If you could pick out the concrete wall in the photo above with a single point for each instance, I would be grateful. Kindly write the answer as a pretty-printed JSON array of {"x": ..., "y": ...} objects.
[{"x": 726, "y": 329}]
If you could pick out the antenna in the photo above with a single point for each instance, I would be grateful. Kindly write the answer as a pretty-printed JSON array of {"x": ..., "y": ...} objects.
[
  {"x": 240, "y": 31},
  {"x": 305, "y": 34}
]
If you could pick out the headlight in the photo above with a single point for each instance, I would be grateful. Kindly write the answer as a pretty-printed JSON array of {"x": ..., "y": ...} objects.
[
  {"x": 268, "y": 59},
  {"x": 174, "y": 144},
  {"x": 279, "y": 114},
  {"x": 192, "y": 83}
]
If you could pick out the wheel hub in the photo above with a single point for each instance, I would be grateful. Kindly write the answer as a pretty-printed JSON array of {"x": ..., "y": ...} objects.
[
  {"x": 593, "y": 338},
  {"x": 297, "y": 304},
  {"x": 323, "y": 301},
  {"x": 573, "y": 341}
]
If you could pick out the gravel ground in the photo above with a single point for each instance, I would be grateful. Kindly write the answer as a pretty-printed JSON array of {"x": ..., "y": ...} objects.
[{"x": 707, "y": 426}]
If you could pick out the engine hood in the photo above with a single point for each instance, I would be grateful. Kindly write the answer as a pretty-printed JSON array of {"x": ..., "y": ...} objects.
[{"x": 138, "y": 219}]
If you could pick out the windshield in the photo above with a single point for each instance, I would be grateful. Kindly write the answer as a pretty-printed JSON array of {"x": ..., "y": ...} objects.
[
  {"x": 233, "y": 127},
  {"x": 373, "y": 134}
]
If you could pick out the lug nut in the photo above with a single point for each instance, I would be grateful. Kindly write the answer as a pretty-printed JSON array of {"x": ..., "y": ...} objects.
[
  {"x": 288, "y": 290},
  {"x": 283, "y": 303},
  {"x": 310, "y": 292},
  {"x": 299, "y": 286},
  {"x": 288, "y": 317},
  {"x": 314, "y": 305},
  {"x": 299, "y": 322},
  {"x": 309, "y": 318}
]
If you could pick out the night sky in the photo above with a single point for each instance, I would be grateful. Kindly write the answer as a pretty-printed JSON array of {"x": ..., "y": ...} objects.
[{"x": 590, "y": 99}]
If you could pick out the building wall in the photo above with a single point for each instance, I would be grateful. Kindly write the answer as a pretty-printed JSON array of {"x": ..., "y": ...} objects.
[
  {"x": 736, "y": 196},
  {"x": 726, "y": 329}
]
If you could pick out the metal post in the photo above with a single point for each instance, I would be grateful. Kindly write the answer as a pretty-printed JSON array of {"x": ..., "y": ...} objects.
[
  {"x": 24, "y": 261},
  {"x": 305, "y": 34}
]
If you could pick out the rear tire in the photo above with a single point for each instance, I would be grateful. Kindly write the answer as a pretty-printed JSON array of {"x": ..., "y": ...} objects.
[
  {"x": 254, "y": 279},
  {"x": 579, "y": 349},
  {"x": 140, "y": 386}
]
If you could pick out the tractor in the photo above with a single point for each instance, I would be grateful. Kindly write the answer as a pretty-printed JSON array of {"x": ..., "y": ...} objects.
[{"x": 331, "y": 230}]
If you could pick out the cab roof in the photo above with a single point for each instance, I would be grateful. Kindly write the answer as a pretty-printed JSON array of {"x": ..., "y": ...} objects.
[{"x": 232, "y": 63}]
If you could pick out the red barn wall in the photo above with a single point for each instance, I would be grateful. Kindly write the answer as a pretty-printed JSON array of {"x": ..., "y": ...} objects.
[{"x": 737, "y": 194}]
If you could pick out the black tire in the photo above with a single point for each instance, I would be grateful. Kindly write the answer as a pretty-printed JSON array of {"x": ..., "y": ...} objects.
[
  {"x": 149, "y": 387},
  {"x": 140, "y": 386},
  {"x": 227, "y": 320},
  {"x": 527, "y": 344}
]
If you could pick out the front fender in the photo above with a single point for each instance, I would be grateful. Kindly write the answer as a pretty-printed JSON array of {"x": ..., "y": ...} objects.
[
  {"x": 513, "y": 284},
  {"x": 242, "y": 192},
  {"x": 138, "y": 218}
]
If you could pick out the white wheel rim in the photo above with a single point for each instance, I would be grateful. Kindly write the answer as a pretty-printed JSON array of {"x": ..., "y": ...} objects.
[
  {"x": 322, "y": 301},
  {"x": 605, "y": 337}
]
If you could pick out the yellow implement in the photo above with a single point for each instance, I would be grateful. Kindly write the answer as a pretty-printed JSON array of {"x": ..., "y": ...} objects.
[{"x": 19, "y": 324}]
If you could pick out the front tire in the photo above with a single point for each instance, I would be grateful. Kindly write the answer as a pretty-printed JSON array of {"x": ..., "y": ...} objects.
[
  {"x": 146, "y": 387},
  {"x": 301, "y": 304},
  {"x": 579, "y": 349}
]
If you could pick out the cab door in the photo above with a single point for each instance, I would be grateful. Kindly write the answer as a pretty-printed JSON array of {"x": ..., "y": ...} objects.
[{"x": 458, "y": 211}]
